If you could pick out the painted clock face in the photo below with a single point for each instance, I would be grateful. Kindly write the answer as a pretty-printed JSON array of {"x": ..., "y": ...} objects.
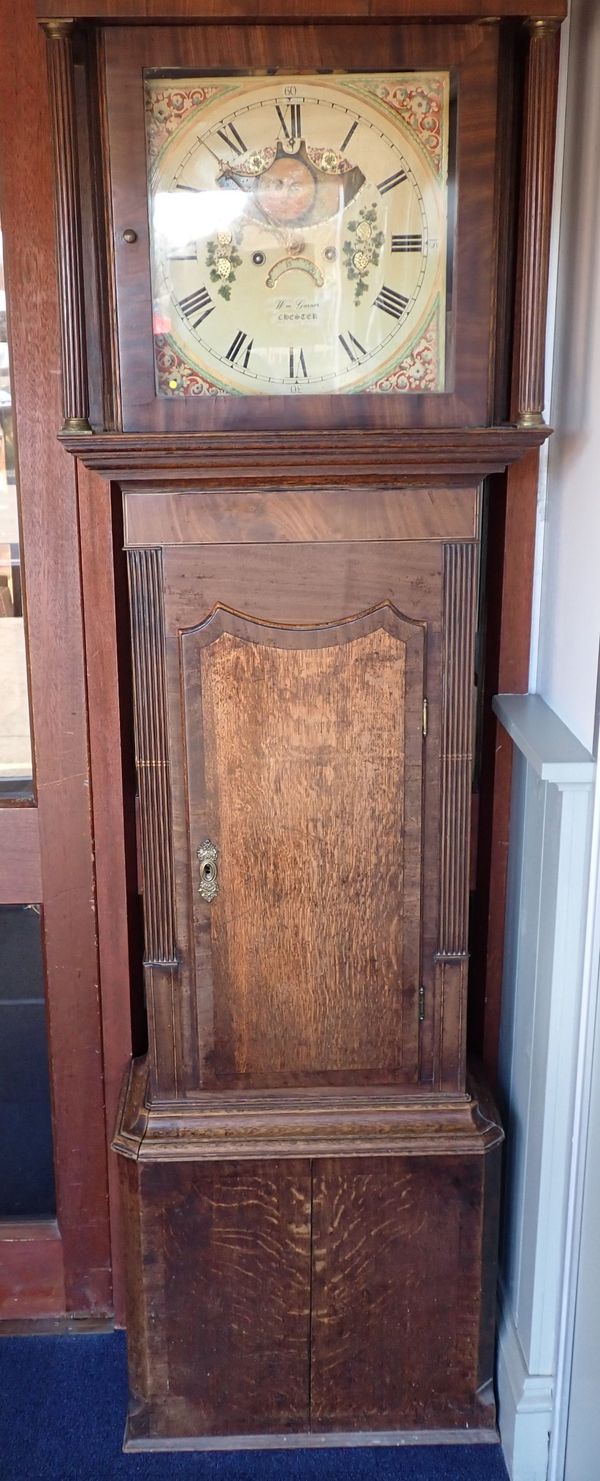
[{"x": 299, "y": 233}]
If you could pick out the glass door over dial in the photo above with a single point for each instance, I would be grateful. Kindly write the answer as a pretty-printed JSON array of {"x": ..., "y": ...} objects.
[{"x": 299, "y": 232}]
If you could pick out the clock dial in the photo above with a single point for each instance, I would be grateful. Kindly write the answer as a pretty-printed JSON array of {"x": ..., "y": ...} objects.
[{"x": 298, "y": 233}]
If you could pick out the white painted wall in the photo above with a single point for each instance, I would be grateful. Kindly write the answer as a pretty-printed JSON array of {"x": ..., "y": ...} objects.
[
  {"x": 582, "y": 1389},
  {"x": 569, "y": 615},
  {"x": 565, "y": 673}
]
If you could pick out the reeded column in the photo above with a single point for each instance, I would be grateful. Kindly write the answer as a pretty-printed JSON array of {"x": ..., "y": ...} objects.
[
  {"x": 161, "y": 966},
  {"x": 536, "y": 205},
  {"x": 68, "y": 227},
  {"x": 151, "y": 752},
  {"x": 456, "y": 758}
]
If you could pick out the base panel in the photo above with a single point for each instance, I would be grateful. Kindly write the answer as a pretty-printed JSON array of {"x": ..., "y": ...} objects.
[
  {"x": 311, "y": 1302},
  {"x": 355, "y": 1439}
]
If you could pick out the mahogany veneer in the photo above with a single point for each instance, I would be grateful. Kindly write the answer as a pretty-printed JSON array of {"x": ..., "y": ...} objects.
[{"x": 187, "y": 10}]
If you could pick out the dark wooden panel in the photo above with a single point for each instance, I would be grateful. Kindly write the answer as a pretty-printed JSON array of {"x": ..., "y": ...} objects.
[
  {"x": 190, "y": 518},
  {"x": 20, "y": 864},
  {"x": 163, "y": 1003},
  {"x": 397, "y": 1283},
  {"x": 104, "y": 591},
  {"x": 304, "y": 584},
  {"x": 219, "y": 1304},
  {"x": 304, "y": 763},
  {"x": 451, "y": 1020},
  {"x": 512, "y": 547},
  {"x": 471, "y": 51},
  {"x": 162, "y": 10},
  {"x": 509, "y": 584},
  {"x": 307, "y": 460},
  {"x": 57, "y": 678},
  {"x": 323, "y": 1122},
  {"x": 32, "y": 1278}
]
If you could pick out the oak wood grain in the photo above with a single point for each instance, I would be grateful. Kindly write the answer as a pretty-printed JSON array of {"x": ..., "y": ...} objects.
[
  {"x": 267, "y": 1297},
  {"x": 302, "y": 585},
  {"x": 309, "y": 782},
  {"x": 324, "y": 1121},
  {"x": 397, "y": 1265},
  {"x": 221, "y": 1335}
]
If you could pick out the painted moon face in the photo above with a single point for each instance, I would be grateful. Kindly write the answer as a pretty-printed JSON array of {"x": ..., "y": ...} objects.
[{"x": 286, "y": 191}]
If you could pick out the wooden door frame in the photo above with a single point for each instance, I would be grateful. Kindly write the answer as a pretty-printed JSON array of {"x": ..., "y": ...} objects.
[{"x": 56, "y": 1267}]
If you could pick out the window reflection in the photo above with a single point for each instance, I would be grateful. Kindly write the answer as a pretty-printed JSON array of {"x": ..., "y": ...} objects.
[
  {"x": 27, "y": 1173},
  {"x": 15, "y": 741}
]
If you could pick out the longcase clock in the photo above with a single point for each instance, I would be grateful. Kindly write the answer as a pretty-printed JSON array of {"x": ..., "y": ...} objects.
[{"x": 318, "y": 290}]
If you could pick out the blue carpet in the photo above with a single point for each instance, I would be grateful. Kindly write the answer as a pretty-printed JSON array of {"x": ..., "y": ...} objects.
[{"x": 62, "y": 1415}]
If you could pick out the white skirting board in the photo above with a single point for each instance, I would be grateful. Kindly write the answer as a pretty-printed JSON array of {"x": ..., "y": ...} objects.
[
  {"x": 552, "y": 805},
  {"x": 525, "y": 1406}
]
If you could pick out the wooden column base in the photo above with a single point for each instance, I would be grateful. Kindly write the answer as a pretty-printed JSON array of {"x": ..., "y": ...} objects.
[{"x": 288, "y": 1299}]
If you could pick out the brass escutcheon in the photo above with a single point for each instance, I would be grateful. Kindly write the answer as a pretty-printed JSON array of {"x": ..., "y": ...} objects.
[{"x": 207, "y": 863}]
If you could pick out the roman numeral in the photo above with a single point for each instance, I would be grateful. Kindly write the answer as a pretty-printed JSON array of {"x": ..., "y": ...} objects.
[
  {"x": 391, "y": 182},
  {"x": 409, "y": 243},
  {"x": 231, "y": 138},
  {"x": 197, "y": 303},
  {"x": 237, "y": 346},
  {"x": 295, "y": 129},
  {"x": 297, "y": 364},
  {"x": 391, "y": 302},
  {"x": 345, "y": 142},
  {"x": 351, "y": 344}
]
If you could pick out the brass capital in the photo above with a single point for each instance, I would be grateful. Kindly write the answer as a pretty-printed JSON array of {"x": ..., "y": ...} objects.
[
  {"x": 78, "y": 425},
  {"x": 541, "y": 28},
  {"x": 58, "y": 30},
  {"x": 530, "y": 419}
]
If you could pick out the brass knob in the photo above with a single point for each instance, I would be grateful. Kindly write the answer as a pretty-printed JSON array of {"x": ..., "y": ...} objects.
[{"x": 129, "y": 235}]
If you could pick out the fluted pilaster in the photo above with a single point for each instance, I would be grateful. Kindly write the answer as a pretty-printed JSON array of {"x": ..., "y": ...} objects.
[
  {"x": 536, "y": 206},
  {"x": 68, "y": 227}
]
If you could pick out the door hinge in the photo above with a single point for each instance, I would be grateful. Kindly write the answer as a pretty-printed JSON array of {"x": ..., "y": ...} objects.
[
  {"x": 421, "y": 1004},
  {"x": 425, "y": 716}
]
